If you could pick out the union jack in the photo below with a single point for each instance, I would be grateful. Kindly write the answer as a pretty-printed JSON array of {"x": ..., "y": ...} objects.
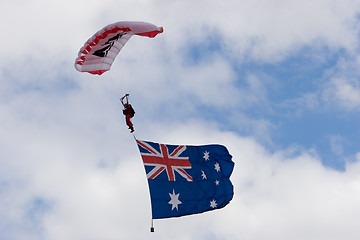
[{"x": 163, "y": 160}]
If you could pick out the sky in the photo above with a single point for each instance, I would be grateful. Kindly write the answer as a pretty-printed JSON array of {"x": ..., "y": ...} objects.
[{"x": 276, "y": 82}]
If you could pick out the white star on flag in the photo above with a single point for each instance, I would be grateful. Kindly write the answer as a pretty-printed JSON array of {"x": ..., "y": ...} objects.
[
  {"x": 203, "y": 175},
  {"x": 217, "y": 167},
  {"x": 206, "y": 155},
  {"x": 174, "y": 200},
  {"x": 217, "y": 182},
  {"x": 213, "y": 203}
]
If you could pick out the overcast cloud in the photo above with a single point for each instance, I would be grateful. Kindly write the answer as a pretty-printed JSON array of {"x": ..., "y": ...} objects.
[{"x": 277, "y": 82}]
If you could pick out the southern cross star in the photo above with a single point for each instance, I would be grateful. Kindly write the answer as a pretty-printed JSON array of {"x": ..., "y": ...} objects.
[
  {"x": 217, "y": 167},
  {"x": 213, "y": 203},
  {"x": 206, "y": 155},
  {"x": 203, "y": 175}
]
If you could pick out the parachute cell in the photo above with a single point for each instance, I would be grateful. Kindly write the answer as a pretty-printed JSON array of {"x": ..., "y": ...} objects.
[{"x": 99, "y": 52}]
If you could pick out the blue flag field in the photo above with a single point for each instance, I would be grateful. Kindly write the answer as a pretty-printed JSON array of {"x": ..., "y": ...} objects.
[{"x": 186, "y": 180}]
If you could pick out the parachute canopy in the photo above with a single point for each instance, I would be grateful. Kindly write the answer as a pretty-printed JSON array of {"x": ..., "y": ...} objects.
[{"x": 99, "y": 52}]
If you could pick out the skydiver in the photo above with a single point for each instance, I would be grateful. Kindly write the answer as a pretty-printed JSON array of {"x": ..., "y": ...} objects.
[{"x": 128, "y": 112}]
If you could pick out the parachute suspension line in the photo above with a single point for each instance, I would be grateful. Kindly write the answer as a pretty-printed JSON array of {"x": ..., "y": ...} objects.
[{"x": 122, "y": 99}]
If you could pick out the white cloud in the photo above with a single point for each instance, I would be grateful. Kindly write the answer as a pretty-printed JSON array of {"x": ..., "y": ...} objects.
[
  {"x": 263, "y": 30},
  {"x": 272, "y": 30},
  {"x": 343, "y": 87},
  {"x": 296, "y": 106},
  {"x": 337, "y": 89},
  {"x": 344, "y": 92},
  {"x": 213, "y": 84},
  {"x": 63, "y": 143}
]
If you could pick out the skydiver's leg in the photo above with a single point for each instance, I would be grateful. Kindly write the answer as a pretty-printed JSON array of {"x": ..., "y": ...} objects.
[{"x": 128, "y": 121}]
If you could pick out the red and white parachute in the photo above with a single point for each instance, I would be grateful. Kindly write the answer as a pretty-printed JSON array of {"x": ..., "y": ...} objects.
[{"x": 99, "y": 52}]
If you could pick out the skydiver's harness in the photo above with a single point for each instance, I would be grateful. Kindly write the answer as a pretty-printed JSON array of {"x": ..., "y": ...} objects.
[{"x": 128, "y": 109}]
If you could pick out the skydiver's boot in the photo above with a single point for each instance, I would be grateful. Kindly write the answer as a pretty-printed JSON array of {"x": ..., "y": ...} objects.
[{"x": 132, "y": 129}]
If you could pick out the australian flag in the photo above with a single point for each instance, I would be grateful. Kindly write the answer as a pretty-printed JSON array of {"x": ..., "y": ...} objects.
[{"x": 185, "y": 180}]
